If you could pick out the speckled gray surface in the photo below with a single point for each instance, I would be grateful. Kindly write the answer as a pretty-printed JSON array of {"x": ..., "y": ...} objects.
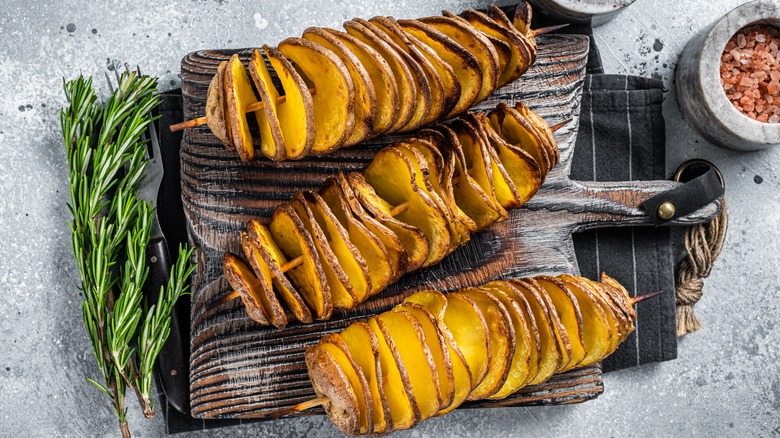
[{"x": 726, "y": 380}]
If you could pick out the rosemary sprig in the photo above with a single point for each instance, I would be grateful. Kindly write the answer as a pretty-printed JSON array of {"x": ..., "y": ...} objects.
[{"x": 110, "y": 232}]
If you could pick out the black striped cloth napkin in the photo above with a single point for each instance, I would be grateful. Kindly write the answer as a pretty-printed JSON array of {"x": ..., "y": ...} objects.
[{"x": 621, "y": 138}]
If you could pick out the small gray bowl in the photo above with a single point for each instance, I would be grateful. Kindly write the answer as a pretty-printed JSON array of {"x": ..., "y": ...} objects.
[
  {"x": 593, "y": 12},
  {"x": 700, "y": 92}
]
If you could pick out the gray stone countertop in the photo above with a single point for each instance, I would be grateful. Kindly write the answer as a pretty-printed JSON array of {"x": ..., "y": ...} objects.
[{"x": 726, "y": 380}]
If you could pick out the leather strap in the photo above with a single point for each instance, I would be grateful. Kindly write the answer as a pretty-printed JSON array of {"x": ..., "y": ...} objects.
[{"x": 702, "y": 184}]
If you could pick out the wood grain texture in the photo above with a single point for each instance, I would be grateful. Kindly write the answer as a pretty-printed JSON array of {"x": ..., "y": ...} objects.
[{"x": 242, "y": 370}]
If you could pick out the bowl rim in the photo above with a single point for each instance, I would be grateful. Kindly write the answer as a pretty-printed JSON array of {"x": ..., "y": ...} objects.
[
  {"x": 756, "y": 12},
  {"x": 580, "y": 7}
]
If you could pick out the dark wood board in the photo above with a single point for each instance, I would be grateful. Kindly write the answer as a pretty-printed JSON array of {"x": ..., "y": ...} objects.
[{"x": 239, "y": 369}]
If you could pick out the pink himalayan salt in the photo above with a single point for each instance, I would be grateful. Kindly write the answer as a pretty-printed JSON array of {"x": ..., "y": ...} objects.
[{"x": 750, "y": 72}]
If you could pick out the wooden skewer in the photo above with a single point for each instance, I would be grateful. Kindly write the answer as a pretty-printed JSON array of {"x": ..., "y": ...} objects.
[
  {"x": 558, "y": 126},
  {"x": 641, "y": 298},
  {"x": 252, "y": 107},
  {"x": 319, "y": 401},
  {"x": 292, "y": 264},
  {"x": 548, "y": 29}
]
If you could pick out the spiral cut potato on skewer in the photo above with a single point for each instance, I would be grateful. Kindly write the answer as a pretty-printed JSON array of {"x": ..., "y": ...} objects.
[
  {"x": 380, "y": 76},
  {"x": 416, "y": 202},
  {"x": 432, "y": 352}
]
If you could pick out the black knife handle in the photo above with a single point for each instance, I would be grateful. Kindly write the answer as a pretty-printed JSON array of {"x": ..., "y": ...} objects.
[{"x": 173, "y": 362}]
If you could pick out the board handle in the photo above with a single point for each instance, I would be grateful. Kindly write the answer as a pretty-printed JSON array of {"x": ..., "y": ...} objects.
[{"x": 616, "y": 204}]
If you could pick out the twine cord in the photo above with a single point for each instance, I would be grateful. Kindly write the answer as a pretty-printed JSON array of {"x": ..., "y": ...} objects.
[{"x": 703, "y": 243}]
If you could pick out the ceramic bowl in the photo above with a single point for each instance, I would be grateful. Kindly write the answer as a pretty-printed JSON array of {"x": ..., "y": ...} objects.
[
  {"x": 700, "y": 92},
  {"x": 593, "y": 12}
]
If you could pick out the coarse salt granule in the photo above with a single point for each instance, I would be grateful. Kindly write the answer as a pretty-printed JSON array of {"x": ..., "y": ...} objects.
[{"x": 750, "y": 72}]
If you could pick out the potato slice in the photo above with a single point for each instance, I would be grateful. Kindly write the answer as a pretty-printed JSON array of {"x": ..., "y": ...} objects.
[
  {"x": 571, "y": 316},
  {"x": 334, "y": 101},
  {"x": 435, "y": 342},
  {"x": 363, "y": 345},
  {"x": 290, "y": 234},
  {"x": 497, "y": 15},
  {"x": 476, "y": 158},
  {"x": 520, "y": 58},
  {"x": 406, "y": 340},
  {"x": 296, "y": 113},
  {"x": 543, "y": 132},
  {"x": 553, "y": 353},
  {"x": 477, "y": 44},
  {"x": 507, "y": 193},
  {"x": 271, "y": 139},
  {"x": 342, "y": 290},
  {"x": 518, "y": 131},
  {"x": 334, "y": 344},
  {"x": 520, "y": 167},
  {"x": 392, "y": 243},
  {"x": 561, "y": 334},
  {"x": 444, "y": 82},
  {"x": 522, "y": 18},
  {"x": 439, "y": 146},
  {"x": 596, "y": 331},
  {"x": 393, "y": 178},
  {"x": 243, "y": 280},
  {"x": 350, "y": 258},
  {"x": 368, "y": 245},
  {"x": 465, "y": 65},
  {"x": 403, "y": 407},
  {"x": 614, "y": 315},
  {"x": 365, "y": 95},
  {"x": 524, "y": 359},
  {"x": 525, "y": 31},
  {"x": 502, "y": 342},
  {"x": 535, "y": 361},
  {"x": 624, "y": 325},
  {"x": 469, "y": 196},
  {"x": 501, "y": 48},
  {"x": 239, "y": 94},
  {"x": 421, "y": 72},
  {"x": 422, "y": 171},
  {"x": 414, "y": 241},
  {"x": 408, "y": 90},
  {"x": 621, "y": 296},
  {"x": 215, "y": 107},
  {"x": 434, "y": 166},
  {"x": 460, "y": 371},
  {"x": 273, "y": 309},
  {"x": 470, "y": 332},
  {"x": 273, "y": 257},
  {"x": 381, "y": 77},
  {"x": 436, "y": 303},
  {"x": 329, "y": 380}
]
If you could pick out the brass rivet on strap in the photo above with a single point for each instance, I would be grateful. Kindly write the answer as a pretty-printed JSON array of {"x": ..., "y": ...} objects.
[{"x": 666, "y": 210}]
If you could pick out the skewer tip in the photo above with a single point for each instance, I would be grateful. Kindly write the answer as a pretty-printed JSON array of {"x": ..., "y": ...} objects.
[
  {"x": 232, "y": 295},
  {"x": 641, "y": 298},
  {"x": 548, "y": 29},
  {"x": 279, "y": 413},
  {"x": 558, "y": 126},
  {"x": 188, "y": 124}
]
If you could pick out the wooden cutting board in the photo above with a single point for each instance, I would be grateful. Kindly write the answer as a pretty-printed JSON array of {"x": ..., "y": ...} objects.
[{"x": 239, "y": 369}]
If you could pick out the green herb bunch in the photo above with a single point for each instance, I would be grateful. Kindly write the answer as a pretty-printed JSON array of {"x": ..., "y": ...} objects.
[{"x": 110, "y": 232}]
